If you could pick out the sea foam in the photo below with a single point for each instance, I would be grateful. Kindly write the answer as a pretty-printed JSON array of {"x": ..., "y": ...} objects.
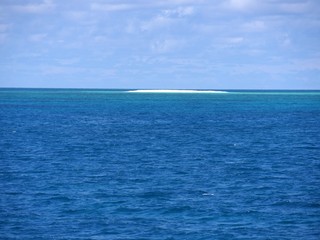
[{"x": 174, "y": 91}]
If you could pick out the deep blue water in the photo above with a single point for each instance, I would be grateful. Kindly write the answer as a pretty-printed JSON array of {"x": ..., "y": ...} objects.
[{"x": 89, "y": 164}]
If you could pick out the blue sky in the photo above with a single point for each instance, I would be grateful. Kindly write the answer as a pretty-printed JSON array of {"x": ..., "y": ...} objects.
[{"x": 181, "y": 44}]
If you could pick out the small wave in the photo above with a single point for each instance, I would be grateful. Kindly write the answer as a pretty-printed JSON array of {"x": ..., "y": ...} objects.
[
  {"x": 178, "y": 209},
  {"x": 207, "y": 194},
  {"x": 173, "y": 91}
]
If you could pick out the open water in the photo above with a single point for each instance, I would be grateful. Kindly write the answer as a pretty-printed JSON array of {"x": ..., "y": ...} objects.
[{"x": 112, "y": 164}]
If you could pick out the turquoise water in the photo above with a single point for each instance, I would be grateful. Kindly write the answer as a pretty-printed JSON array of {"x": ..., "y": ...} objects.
[{"x": 109, "y": 164}]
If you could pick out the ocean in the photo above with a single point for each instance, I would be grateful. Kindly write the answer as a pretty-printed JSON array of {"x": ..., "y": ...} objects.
[{"x": 114, "y": 164}]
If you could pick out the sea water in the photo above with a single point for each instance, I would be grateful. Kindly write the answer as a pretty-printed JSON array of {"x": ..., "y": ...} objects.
[{"x": 113, "y": 164}]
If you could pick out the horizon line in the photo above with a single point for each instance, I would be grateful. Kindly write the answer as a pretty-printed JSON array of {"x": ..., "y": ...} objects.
[{"x": 171, "y": 89}]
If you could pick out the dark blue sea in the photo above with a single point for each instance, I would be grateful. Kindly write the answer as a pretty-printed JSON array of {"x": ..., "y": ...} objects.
[{"x": 112, "y": 164}]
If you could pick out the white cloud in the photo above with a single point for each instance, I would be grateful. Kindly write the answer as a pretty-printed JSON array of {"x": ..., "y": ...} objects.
[
  {"x": 45, "y": 6},
  {"x": 110, "y": 7},
  {"x": 3, "y": 27},
  {"x": 293, "y": 66},
  {"x": 206, "y": 28},
  {"x": 179, "y": 12},
  {"x": 166, "y": 17},
  {"x": 130, "y": 27},
  {"x": 234, "y": 40},
  {"x": 228, "y": 42},
  {"x": 286, "y": 41},
  {"x": 76, "y": 15},
  {"x": 127, "y": 5},
  {"x": 37, "y": 37},
  {"x": 3, "y": 37},
  {"x": 155, "y": 22},
  {"x": 100, "y": 39},
  {"x": 242, "y": 4},
  {"x": 254, "y": 26},
  {"x": 295, "y": 7},
  {"x": 174, "y": 2},
  {"x": 68, "y": 61},
  {"x": 272, "y": 6},
  {"x": 166, "y": 45},
  {"x": 3, "y": 32},
  {"x": 52, "y": 70},
  {"x": 307, "y": 64}
]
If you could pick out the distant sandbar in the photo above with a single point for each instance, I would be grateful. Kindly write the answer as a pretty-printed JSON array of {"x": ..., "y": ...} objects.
[{"x": 173, "y": 91}]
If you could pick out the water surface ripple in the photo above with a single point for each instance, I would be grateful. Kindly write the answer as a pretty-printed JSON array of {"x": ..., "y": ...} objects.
[{"x": 86, "y": 164}]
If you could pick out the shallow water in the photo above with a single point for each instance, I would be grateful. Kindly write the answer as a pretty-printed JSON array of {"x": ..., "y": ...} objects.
[{"x": 92, "y": 164}]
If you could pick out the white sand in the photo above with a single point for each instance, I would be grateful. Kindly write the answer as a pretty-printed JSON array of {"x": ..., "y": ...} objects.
[{"x": 174, "y": 91}]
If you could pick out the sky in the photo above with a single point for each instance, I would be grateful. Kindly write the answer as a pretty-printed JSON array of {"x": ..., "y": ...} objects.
[{"x": 166, "y": 44}]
